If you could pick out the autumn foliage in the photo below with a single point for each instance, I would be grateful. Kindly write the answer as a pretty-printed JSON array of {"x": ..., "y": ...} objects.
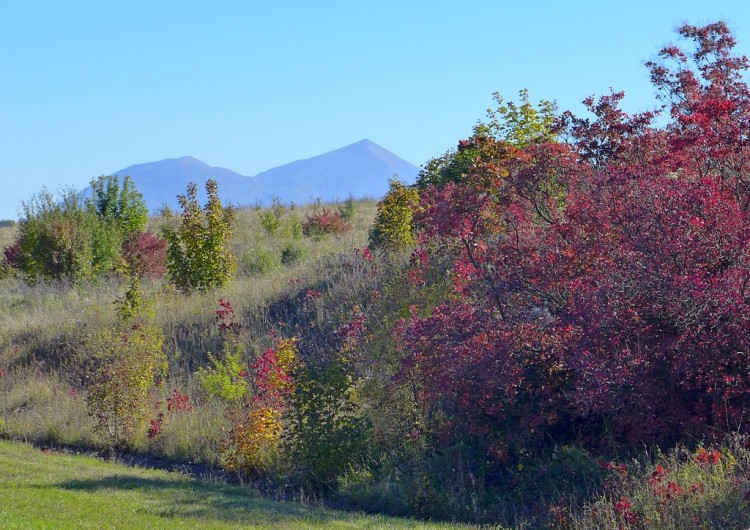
[{"x": 599, "y": 284}]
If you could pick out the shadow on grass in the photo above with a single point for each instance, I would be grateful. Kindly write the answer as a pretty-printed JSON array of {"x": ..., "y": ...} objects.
[{"x": 181, "y": 498}]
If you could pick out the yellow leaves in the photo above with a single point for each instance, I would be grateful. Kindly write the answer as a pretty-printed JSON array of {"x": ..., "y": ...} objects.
[
  {"x": 252, "y": 444},
  {"x": 119, "y": 367},
  {"x": 393, "y": 229}
]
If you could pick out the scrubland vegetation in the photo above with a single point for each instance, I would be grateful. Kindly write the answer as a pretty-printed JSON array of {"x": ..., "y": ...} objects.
[{"x": 550, "y": 329}]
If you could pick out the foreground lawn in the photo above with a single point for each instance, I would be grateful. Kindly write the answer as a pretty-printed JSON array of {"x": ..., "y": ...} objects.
[{"x": 52, "y": 490}]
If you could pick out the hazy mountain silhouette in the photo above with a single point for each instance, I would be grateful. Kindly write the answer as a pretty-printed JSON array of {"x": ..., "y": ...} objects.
[{"x": 361, "y": 169}]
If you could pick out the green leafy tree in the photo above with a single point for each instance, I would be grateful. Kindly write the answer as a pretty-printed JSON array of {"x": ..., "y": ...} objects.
[
  {"x": 123, "y": 205},
  {"x": 198, "y": 253},
  {"x": 519, "y": 124},
  {"x": 512, "y": 124},
  {"x": 393, "y": 229},
  {"x": 65, "y": 237}
]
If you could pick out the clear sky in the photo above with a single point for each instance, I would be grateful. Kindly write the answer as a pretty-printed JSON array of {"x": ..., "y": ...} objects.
[{"x": 88, "y": 88}]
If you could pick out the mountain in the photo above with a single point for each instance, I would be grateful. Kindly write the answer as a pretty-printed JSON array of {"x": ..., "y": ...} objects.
[
  {"x": 361, "y": 169},
  {"x": 161, "y": 182}
]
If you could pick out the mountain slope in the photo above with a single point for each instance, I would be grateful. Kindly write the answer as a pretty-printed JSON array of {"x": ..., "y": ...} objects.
[
  {"x": 361, "y": 169},
  {"x": 160, "y": 182}
]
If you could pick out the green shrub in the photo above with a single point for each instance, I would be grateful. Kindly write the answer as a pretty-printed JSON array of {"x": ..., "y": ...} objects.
[
  {"x": 326, "y": 434},
  {"x": 118, "y": 368},
  {"x": 259, "y": 261},
  {"x": 122, "y": 205},
  {"x": 293, "y": 227},
  {"x": 223, "y": 379},
  {"x": 348, "y": 208},
  {"x": 198, "y": 253},
  {"x": 393, "y": 229},
  {"x": 270, "y": 219},
  {"x": 292, "y": 253},
  {"x": 66, "y": 238}
]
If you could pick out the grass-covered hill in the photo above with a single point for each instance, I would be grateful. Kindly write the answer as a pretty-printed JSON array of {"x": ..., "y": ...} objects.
[{"x": 549, "y": 329}]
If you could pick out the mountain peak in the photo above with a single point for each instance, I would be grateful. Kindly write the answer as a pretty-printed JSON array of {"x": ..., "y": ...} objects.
[{"x": 361, "y": 169}]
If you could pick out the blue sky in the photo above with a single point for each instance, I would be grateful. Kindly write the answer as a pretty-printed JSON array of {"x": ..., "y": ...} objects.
[{"x": 92, "y": 87}]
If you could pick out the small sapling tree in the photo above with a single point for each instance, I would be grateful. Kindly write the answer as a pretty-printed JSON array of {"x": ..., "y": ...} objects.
[{"x": 198, "y": 252}]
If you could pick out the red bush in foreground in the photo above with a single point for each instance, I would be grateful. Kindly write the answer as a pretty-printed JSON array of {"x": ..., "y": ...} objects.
[{"x": 600, "y": 285}]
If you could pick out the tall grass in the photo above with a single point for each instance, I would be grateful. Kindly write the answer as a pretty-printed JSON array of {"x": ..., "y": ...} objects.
[{"x": 42, "y": 326}]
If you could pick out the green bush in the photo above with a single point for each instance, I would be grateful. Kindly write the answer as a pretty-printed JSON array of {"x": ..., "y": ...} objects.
[
  {"x": 259, "y": 261},
  {"x": 198, "y": 252},
  {"x": 292, "y": 253},
  {"x": 348, "y": 208},
  {"x": 393, "y": 229},
  {"x": 222, "y": 380},
  {"x": 326, "y": 434},
  {"x": 270, "y": 219},
  {"x": 118, "y": 368},
  {"x": 293, "y": 227},
  {"x": 65, "y": 237}
]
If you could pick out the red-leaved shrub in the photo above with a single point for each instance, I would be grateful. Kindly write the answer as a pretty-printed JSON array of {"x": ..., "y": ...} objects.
[
  {"x": 599, "y": 284},
  {"x": 145, "y": 254},
  {"x": 325, "y": 222}
]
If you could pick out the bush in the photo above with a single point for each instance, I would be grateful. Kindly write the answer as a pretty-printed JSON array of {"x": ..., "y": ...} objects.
[
  {"x": 225, "y": 379},
  {"x": 252, "y": 445},
  {"x": 198, "y": 253},
  {"x": 260, "y": 261},
  {"x": 118, "y": 367},
  {"x": 67, "y": 238},
  {"x": 56, "y": 240},
  {"x": 348, "y": 208},
  {"x": 145, "y": 255},
  {"x": 393, "y": 229},
  {"x": 325, "y": 222},
  {"x": 292, "y": 253},
  {"x": 293, "y": 227},
  {"x": 270, "y": 219}
]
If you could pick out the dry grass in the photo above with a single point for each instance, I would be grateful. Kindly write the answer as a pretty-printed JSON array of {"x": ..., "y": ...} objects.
[{"x": 42, "y": 326}]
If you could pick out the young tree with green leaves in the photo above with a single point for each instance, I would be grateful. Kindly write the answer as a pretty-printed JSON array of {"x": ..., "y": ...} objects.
[
  {"x": 393, "y": 229},
  {"x": 198, "y": 253}
]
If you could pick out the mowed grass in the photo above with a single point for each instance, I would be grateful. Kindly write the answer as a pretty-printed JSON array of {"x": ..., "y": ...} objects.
[{"x": 52, "y": 490}]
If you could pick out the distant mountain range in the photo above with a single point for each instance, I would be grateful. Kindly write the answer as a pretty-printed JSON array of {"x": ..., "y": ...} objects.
[{"x": 361, "y": 169}]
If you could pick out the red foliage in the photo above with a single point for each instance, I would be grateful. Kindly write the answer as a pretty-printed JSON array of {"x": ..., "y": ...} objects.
[
  {"x": 156, "y": 426},
  {"x": 225, "y": 322},
  {"x": 325, "y": 222},
  {"x": 179, "y": 402},
  {"x": 145, "y": 254},
  {"x": 601, "y": 281},
  {"x": 705, "y": 457},
  {"x": 623, "y": 509},
  {"x": 13, "y": 254},
  {"x": 273, "y": 373}
]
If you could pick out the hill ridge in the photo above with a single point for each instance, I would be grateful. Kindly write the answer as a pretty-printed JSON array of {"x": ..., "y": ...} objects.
[{"x": 360, "y": 169}]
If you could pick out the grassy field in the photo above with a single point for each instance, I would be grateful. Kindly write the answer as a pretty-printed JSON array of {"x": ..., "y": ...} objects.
[{"x": 52, "y": 490}]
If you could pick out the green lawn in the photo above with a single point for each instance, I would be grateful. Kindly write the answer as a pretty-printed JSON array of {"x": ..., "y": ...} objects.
[{"x": 52, "y": 490}]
